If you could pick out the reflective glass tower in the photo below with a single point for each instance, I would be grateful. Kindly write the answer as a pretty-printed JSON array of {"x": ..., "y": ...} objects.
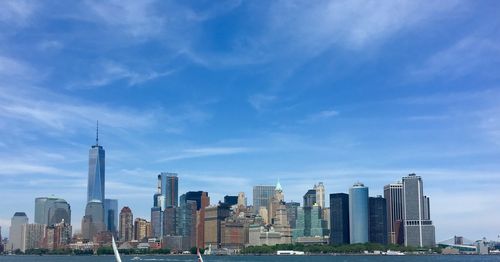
[
  {"x": 95, "y": 186},
  {"x": 358, "y": 213}
]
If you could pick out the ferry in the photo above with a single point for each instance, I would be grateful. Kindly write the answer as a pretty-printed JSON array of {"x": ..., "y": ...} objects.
[{"x": 290, "y": 253}]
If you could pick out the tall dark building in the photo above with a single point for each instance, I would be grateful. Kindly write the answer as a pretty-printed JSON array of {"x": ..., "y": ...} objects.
[
  {"x": 393, "y": 194},
  {"x": 377, "y": 226},
  {"x": 310, "y": 198},
  {"x": 168, "y": 187},
  {"x": 231, "y": 200},
  {"x": 96, "y": 175},
  {"x": 202, "y": 201},
  {"x": 339, "y": 219},
  {"x": 291, "y": 211},
  {"x": 156, "y": 222},
  {"x": 262, "y": 197},
  {"x": 169, "y": 221}
]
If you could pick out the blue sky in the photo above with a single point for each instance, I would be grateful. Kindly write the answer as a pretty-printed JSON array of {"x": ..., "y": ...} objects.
[{"x": 231, "y": 94}]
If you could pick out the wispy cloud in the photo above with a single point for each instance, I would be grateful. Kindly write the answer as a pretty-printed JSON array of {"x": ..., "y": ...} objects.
[
  {"x": 17, "y": 12},
  {"x": 319, "y": 116},
  {"x": 260, "y": 101},
  {"x": 206, "y": 152},
  {"x": 471, "y": 55}
]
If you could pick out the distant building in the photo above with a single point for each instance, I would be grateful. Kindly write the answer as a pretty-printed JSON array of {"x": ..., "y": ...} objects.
[
  {"x": 231, "y": 200},
  {"x": 170, "y": 221},
  {"x": 32, "y": 236},
  {"x": 186, "y": 222},
  {"x": 393, "y": 194},
  {"x": 378, "y": 220},
  {"x": 51, "y": 210},
  {"x": 96, "y": 175},
  {"x": 142, "y": 229},
  {"x": 111, "y": 215},
  {"x": 156, "y": 222},
  {"x": 242, "y": 200},
  {"x": 234, "y": 234},
  {"x": 58, "y": 236},
  {"x": 214, "y": 216},
  {"x": 339, "y": 219},
  {"x": 320, "y": 194},
  {"x": 16, "y": 231},
  {"x": 202, "y": 201},
  {"x": 93, "y": 221},
  {"x": 291, "y": 210},
  {"x": 168, "y": 187},
  {"x": 309, "y": 223},
  {"x": 126, "y": 224},
  {"x": 418, "y": 231},
  {"x": 310, "y": 198},
  {"x": 261, "y": 196},
  {"x": 358, "y": 213}
]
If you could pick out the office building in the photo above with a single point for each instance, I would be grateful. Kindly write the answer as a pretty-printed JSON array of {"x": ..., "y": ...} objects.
[
  {"x": 111, "y": 215},
  {"x": 262, "y": 196},
  {"x": 309, "y": 223},
  {"x": 126, "y": 224},
  {"x": 320, "y": 194},
  {"x": 339, "y": 219},
  {"x": 418, "y": 231},
  {"x": 142, "y": 229},
  {"x": 230, "y": 200},
  {"x": 393, "y": 194},
  {"x": 58, "y": 236},
  {"x": 96, "y": 175},
  {"x": 168, "y": 187},
  {"x": 16, "y": 231},
  {"x": 51, "y": 210},
  {"x": 32, "y": 236},
  {"x": 310, "y": 198},
  {"x": 170, "y": 221},
  {"x": 214, "y": 216},
  {"x": 291, "y": 210},
  {"x": 378, "y": 220},
  {"x": 93, "y": 221},
  {"x": 156, "y": 222},
  {"x": 186, "y": 222},
  {"x": 202, "y": 201},
  {"x": 358, "y": 213},
  {"x": 242, "y": 199}
]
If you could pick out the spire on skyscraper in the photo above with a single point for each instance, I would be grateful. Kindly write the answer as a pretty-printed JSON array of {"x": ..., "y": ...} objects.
[
  {"x": 97, "y": 134},
  {"x": 278, "y": 186}
]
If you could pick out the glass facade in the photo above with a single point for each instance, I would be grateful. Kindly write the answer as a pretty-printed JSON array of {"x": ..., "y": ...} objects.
[
  {"x": 52, "y": 210},
  {"x": 339, "y": 219},
  {"x": 96, "y": 177},
  {"x": 378, "y": 220},
  {"x": 111, "y": 214},
  {"x": 262, "y": 196},
  {"x": 393, "y": 194},
  {"x": 358, "y": 213}
]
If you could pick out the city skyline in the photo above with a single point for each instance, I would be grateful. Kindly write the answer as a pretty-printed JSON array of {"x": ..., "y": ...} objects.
[{"x": 238, "y": 94}]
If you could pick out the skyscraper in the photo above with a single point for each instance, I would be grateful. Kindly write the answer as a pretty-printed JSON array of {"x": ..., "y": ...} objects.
[
  {"x": 126, "y": 224},
  {"x": 309, "y": 223},
  {"x": 291, "y": 210},
  {"x": 310, "y": 198},
  {"x": 378, "y": 220},
  {"x": 52, "y": 210},
  {"x": 96, "y": 177},
  {"x": 168, "y": 187},
  {"x": 93, "y": 221},
  {"x": 242, "y": 200},
  {"x": 16, "y": 230},
  {"x": 156, "y": 222},
  {"x": 418, "y": 231},
  {"x": 358, "y": 213},
  {"x": 393, "y": 194},
  {"x": 320, "y": 194},
  {"x": 111, "y": 215},
  {"x": 261, "y": 197},
  {"x": 142, "y": 229},
  {"x": 202, "y": 201},
  {"x": 339, "y": 219},
  {"x": 32, "y": 236}
]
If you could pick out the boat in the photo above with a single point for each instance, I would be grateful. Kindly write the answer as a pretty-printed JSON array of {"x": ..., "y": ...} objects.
[
  {"x": 290, "y": 253},
  {"x": 200, "y": 259},
  {"x": 115, "y": 250},
  {"x": 394, "y": 253}
]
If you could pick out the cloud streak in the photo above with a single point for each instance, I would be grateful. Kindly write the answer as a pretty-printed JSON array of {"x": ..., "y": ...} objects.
[{"x": 206, "y": 152}]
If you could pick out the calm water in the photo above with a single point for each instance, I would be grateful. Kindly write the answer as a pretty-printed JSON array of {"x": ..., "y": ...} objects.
[{"x": 257, "y": 258}]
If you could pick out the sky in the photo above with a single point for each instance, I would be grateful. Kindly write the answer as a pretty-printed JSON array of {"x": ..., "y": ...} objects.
[{"x": 232, "y": 94}]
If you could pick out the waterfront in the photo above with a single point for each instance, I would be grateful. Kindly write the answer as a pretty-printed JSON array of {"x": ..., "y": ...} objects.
[{"x": 424, "y": 258}]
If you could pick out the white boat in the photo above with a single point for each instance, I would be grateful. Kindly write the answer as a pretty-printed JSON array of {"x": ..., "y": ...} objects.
[
  {"x": 394, "y": 253},
  {"x": 290, "y": 253},
  {"x": 200, "y": 259},
  {"x": 115, "y": 250}
]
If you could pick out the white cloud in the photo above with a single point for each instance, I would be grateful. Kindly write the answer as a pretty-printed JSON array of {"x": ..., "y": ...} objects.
[
  {"x": 206, "y": 152},
  {"x": 320, "y": 116}
]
